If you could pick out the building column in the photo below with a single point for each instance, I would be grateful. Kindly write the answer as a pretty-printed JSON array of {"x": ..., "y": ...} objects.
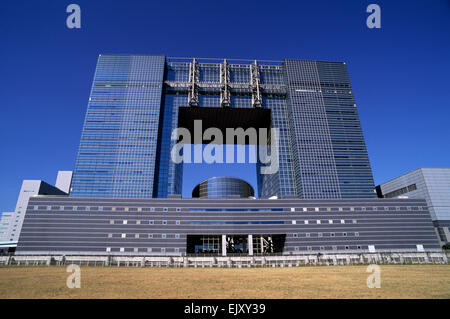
[
  {"x": 250, "y": 245},
  {"x": 446, "y": 233},
  {"x": 224, "y": 245}
]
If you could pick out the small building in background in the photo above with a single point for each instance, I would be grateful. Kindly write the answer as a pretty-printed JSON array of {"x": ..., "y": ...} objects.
[{"x": 11, "y": 223}]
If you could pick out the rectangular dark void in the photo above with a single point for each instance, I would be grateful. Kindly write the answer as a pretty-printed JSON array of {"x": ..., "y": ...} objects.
[
  {"x": 235, "y": 244},
  {"x": 223, "y": 118}
]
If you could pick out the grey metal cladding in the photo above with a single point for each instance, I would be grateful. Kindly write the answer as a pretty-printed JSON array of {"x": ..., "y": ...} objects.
[{"x": 140, "y": 225}]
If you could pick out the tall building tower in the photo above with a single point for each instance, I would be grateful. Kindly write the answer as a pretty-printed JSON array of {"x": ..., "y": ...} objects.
[{"x": 137, "y": 100}]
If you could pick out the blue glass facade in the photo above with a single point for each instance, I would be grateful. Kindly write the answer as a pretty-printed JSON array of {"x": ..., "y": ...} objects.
[
  {"x": 117, "y": 152},
  {"x": 134, "y": 106}
]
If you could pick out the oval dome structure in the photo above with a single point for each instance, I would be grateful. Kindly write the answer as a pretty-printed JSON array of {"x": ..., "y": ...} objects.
[{"x": 223, "y": 187}]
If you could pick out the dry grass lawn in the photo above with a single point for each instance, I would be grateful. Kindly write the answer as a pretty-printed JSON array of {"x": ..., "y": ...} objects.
[{"x": 397, "y": 281}]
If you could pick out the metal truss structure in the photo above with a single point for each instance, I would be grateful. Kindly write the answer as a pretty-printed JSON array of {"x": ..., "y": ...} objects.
[{"x": 225, "y": 86}]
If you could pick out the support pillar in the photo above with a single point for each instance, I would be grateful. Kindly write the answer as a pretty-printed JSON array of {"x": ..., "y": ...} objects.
[
  {"x": 250, "y": 245},
  {"x": 224, "y": 245}
]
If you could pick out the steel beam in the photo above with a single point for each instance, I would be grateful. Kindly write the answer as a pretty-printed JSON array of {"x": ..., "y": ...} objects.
[
  {"x": 255, "y": 85},
  {"x": 224, "y": 82},
  {"x": 193, "y": 83}
]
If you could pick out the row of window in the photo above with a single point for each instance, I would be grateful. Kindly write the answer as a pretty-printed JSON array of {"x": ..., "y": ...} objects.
[
  {"x": 178, "y": 209},
  {"x": 401, "y": 191},
  {"x": 330, "y": 221},
  {"x": 144, "y": 236},
  {"x": 177, "y": 222},
  {"x": 344, "y": 234},
  {"x": 309, "y": 248},
  {"x": 162, "y": 249},
  {"x": 138, "y": 222}
]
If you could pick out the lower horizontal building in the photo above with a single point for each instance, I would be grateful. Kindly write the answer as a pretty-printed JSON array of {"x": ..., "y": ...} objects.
[
  {"x": 430, "y": 183},
  {"x": 180, "y": 226}
]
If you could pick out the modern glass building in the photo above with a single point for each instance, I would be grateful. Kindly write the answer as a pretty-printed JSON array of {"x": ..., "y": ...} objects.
[
  {"x": 137, "y": 100},
  {"x": 431, "y": 184},
  {"x": 223, "y": 187}
]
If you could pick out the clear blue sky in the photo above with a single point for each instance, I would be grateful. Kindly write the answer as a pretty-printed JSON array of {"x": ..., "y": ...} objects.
[{"x": 400, "y": 73}]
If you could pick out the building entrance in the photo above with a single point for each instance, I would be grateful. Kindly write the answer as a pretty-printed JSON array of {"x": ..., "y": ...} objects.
[{"x": 259, "y": 244}]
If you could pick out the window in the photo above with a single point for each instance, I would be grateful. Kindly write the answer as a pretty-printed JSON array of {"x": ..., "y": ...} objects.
[
  {"x": 178, "y": 209},
  {"x": 330, "y": 221},
  {"x": 296, "y": 248},
  {"x": 164, "y": 222},
  {"x": 124, "y": 235},
  {"x": 352, "y": 209},
  {"x": 308, "y": 235},
  {"x": 109, "y": 235},
  {"x": 177, "y": 236},
  {"x": 163, "y": 236},
  {"x": 139, "y": 209},
  {"x": 150, "y": 235},
  {"x": 165, "y": 209},
  {"x": 344, "y": 234},
  {"x": 305, "y": 209},
  {"x": 108, "y": 249},
  {"x": 320, "y": 234},
  {"x": 354, "y": 221},
  {"x": 316, "y": 209},
  {"x": 177, "y": 222},
  {"x": 342, "y": 221},
  {"x": 111, "y": 221},
  {"x": 177, "y": 250},
  {"x": 295, "y": 235},
  {"x": 61, "y": 207},
  {"x": 151, "y": 222},
  {"x": 135, "y": 250},
  {"x": 334, "y": 247},
  {"x": 122, "y": 249},
  {"x": 292, "y": 209},
  {"x": 356, "y": 234},
  {"x": 138, "y": 222},
  {"x": 125, "y": 222},
  {"x": 152, "y": 209},
  {"x": 136, "y": 236},
  {"x": 309, "y": 248},
  {"x": 322, "y": 248},
  {"x": 294, "y": 222},
  {"x": 163, "y": 250},
  {"x": 318, "y": 221},
  {"x": 149, "y": 250},
  {"x": 358, "y": 247},
  {"x": 100, "y": 208},
  {"x": 347, "y": 247},
  {"x": 306, "y": 222},
  {"x": 332, "y": 234}
]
